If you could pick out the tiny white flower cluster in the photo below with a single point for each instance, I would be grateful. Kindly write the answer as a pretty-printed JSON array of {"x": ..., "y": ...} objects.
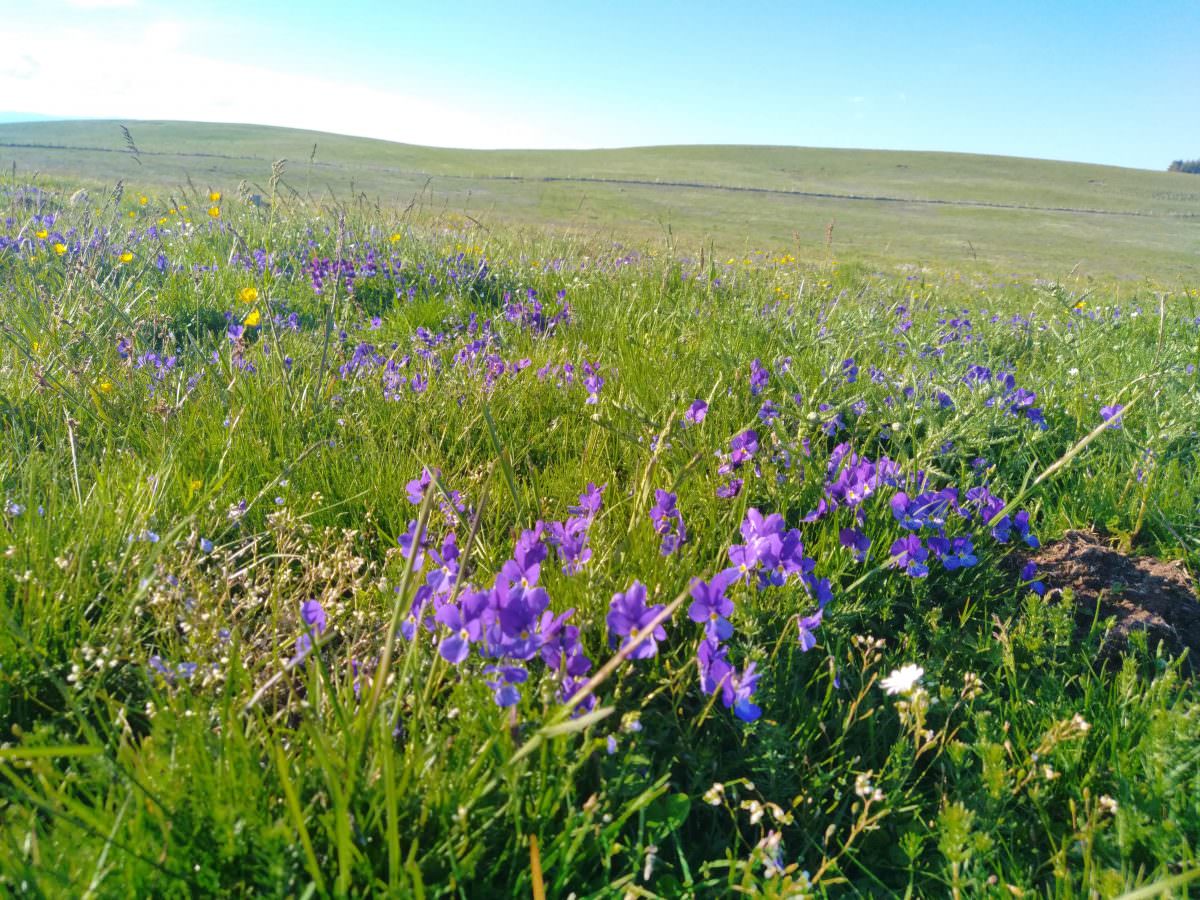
[{"x": 865, "y": 789}]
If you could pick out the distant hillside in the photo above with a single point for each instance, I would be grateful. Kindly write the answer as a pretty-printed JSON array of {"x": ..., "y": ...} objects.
[{"x": 947, "y": 209}]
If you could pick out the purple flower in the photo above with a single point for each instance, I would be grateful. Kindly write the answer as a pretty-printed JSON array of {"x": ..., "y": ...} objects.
[
  {"x": 590, "y": 502},
  {"x": 961, "y": 554},
  {"x": 465, "y": 622},
  {"x": 759, "y": 376},
  {"x": 856, "y": 542},
  {"x": 668, "y": 521},
  {"x": 312, "y": 614},
  {"x": 412, "y": 546},
  {"x": 696, "y": 412},
  {"x": 503, "y": 681},
  {"x": 570, "y": 539},
  {"x": 808, "y": 626},
  {"x": 416, "y": 487},
  {"x": 710, "y": 607},
  {"x": 1112, "y": 414},
  {"x": 561, "y": 647},
  {"x": 592, "y": 381},
  {"x": 629, "y": 617},
  {"x": 516, "y": 607},
  {"x": 743, "y": 447},
  {"x": 715, "y": 670},
  {"x": 744, "y": 686},
  {"x": 730, "y": 489},
  {"x": 1029, "y": 576},
  {"x": 908, "y": 553}
]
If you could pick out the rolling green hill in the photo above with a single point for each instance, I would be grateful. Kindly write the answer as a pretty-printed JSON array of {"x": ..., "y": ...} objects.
[{"x": 938, "y": 209}]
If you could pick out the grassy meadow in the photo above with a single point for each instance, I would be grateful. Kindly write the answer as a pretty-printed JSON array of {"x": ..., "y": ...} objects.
[
  {"x": 997, "y": 215},
  {"x": 346, "y": 552}
]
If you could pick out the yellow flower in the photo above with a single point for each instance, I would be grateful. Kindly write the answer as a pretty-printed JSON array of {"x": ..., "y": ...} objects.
[
  {"x": 132, "y": 214},
  {"x": 214, "y": 211},
  {"x": 215, "y": 196},
  {"x": 41, "y": 234},
  {"x": 248, "y": 294},
  {"x": 105, "y": 386},
  {"x": 184, "y": 207},
  {"x": 1080, "y": 305},
  {"x": 395, "y": 238},
  {"x": 162, "y": 220},
  {"x": 253, "y": 319},
  {"x": 195, "y": 484},
  {"x": 126, "y": 257},
  {"x": 60, "y": 249},
  {"x": 143, "y": 200}
]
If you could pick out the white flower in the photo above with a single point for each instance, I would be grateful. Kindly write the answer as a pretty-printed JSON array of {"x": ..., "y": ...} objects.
[{"x": 902, "y": 680}]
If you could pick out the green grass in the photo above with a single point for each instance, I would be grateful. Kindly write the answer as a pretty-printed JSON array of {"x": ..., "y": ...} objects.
[
  {"x": 1000, "y": 215},
  {"x": 1022, "y": 766}
]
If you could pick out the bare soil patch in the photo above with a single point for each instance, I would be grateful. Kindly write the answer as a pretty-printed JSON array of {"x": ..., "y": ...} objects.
[{"x": 1141, "y": 592}]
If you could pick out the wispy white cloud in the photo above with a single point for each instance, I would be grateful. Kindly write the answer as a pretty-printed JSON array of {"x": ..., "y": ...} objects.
[
  {"x": 153, "y": 72},
  {"x": 101, "y": 4}
]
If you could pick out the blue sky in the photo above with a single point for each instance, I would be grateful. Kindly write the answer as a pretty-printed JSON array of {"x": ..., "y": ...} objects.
[{"x": 1100, "y": 82}]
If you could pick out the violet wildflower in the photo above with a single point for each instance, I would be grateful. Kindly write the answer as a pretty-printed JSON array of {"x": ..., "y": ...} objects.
[
  {"x": 629, "y": 617},
  {"x": 1029, "y": 576},
  {"x": 417, "y": 487},
  {"x": 668, "y": 521},
  {"x": 714, "y": 669},
  {"x": 909, "y": 553},
  {"x": 710, "y": 607},
  {"x": 856, "y": 542},
  {"x": 503, "y": 681},
  {"x": 465, "y": 621},
  {"x": 696, "y": 412},
  {"x": 412, "y": 546},
  {"x": 743, "y": 447},
  {"x": 1112, "y": 414},
  {"x": 960, "y": 555},
  {"x": 807, "y": 626},
  {"x": 561, "y": 648},
  {"x": 730, "y": 489},
  {"x": 759, "y": 377},
  {"x": 592, "y": 382},
  {"x": 744, "y": 686},
  {"x": 312, "y": 614}
]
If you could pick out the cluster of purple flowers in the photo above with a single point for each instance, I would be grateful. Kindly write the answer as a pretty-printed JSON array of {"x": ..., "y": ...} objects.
[
  {"x": 530, "y": 314},
  {"x": 742, "y": 449},
  {"x": 771, "y": 556},
  {"x": 511, "y": 624},
  {"x": 569, "y": 538},
  {"x": 1012, "y": 399},
  {"x": 587, "y": 374},
  {"x": 667, "y": 521},
  {"x": 451, "y": 504},
  {"x": 928, "y": 514}
]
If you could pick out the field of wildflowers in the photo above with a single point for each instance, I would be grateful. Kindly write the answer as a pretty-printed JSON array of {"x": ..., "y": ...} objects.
[{"x": 342, "y": 555}]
